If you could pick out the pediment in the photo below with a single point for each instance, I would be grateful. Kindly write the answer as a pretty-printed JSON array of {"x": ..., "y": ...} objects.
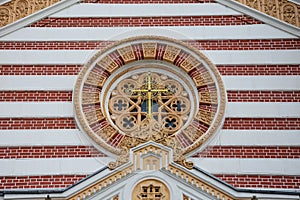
[
  {"x": 282, "y": 14},
  {"x": 169, "y": 181},
  {"x": 140, "y": 178}
]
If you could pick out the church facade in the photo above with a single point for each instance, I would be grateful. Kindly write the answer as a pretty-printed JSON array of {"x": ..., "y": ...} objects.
[{"x": 154, "y": 100}]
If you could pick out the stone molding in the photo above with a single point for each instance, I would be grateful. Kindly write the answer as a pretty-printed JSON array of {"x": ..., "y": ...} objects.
[
  {"x": 17, "y": 9},
  {"x": 11, "y": 18},
  {"x": 283, "y": 10},
  {"x": 282, "y": 14}
]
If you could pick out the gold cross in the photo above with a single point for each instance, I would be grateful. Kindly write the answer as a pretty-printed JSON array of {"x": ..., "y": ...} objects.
[{"x": 149, "y": 91}]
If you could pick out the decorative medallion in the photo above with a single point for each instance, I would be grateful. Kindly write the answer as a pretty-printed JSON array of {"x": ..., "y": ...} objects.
[
  {"x": 151, "y": 189},
  {"x": 149, "y": 89}
]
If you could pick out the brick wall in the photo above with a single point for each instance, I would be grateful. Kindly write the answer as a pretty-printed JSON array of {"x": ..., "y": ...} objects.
[
  {"x": 228, "y": 70},
  {"x": 26, "y": 182},
  {"x": 63, "y": 181},
  {"x": 261, "y": 181},
  {"x": 49, "y": 152},
  {"x": 230, "y": 123},
  {"x": 18, "y": 70},
  {"x": 259, "y": 70},
  {"x": 233, "y": 96},
  {"x": 265, "y": 44},
  {"x": 14, "y": 96},
  {"x": 37, "y": 123},
  {"x": 263, "y": 96},
  {"x": 250, "y": 152},
  {"x": 147, "y": 21},
  {"x": 262, "y": 123}
]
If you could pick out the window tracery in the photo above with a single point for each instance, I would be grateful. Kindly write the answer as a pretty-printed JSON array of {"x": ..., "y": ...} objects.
[{"x": 149, "y": 102}]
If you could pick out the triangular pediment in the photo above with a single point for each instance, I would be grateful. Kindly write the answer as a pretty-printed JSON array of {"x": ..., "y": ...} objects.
[
  {"x": 282, "y": 14},
  {"x": 152, "y": 171}
]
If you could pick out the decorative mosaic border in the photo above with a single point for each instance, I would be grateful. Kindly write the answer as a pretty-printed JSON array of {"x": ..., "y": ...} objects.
[{"x": 94, "y": 74}]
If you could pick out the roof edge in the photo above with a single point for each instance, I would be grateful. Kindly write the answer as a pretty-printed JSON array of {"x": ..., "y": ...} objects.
[
  {"x": 277, "y": 23},
  {"x": 36, "y": 16}
]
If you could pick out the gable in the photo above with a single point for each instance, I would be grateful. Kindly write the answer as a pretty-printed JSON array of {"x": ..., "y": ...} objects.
[
  {"x": 288, "y": 20},
  {"x": 258, "y": 63}
]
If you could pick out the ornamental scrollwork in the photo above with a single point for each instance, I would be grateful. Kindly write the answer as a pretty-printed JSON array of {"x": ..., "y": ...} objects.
[
  {"x": 18, "y": 9},
  {"x": 281, "y": 9}
]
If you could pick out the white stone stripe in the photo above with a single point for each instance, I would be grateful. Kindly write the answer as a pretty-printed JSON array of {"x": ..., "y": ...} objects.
[
  {"x": 66, "y": 83},
  {"x": 266, "y": 83},
  {"x": 218, "y": 57},
  {"x": 43, "y": 137},
  {"x": 37, "y": 83},
  {"x": 262, "y": 109},
  {"x": 36, "y": 109},
  {"x": 257, "y": 138},
  {"x": 56, "y": 166},
  {"x": 144, "y": 10},
  {"x": 249, "y": 166},
  {"x": 74, "y": 137},
  {"x": 258, "y": 31},
  {"x": 65, "y": 109}
]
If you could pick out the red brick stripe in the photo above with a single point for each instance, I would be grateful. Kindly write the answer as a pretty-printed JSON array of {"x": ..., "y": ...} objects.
[
  {"x": 147, "y": 1},
  {"x": 49, "y": 152},
  {"x": 33, "y": 182},
  {"x": 37, "y": 123},
  {"x": 13, "y": 96},
  {"x": 233, "y": 96},
  {"x": 40, "y": 69},
  {"x": 262, "y": 123},
  {"x": 261, "y": 181},
  {"x": 226, "y": 70},
  {"x": 253, "y": 44},
  {"x": 230, "y": 123},
  {"x": 259, "y": 70},
  {"x": 263, "y": 96},
  {"x": 200, "y": 44},
  {"x": 230, "y": 20},
  {"x": 53, "y": 45},
  {"x": 250, "y": 152}
]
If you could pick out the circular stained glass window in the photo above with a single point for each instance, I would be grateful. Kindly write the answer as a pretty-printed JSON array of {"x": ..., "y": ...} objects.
[{"x": 149, "y": 89}]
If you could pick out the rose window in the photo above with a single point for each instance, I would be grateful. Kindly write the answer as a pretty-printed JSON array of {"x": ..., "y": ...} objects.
[{"x": 148, "y": 103}]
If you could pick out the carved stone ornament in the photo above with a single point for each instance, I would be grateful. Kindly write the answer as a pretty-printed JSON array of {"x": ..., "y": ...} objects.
[
  {"x": 149, "y": 89},
  {"x": 151, "y": 189},
  {"x": 18, "y": 9},
  {"x": 281, "y": 9}
]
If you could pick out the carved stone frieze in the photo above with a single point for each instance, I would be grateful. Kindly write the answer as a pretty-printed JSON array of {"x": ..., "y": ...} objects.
[
  {"x": 18, "y": 9},
  {"x": 284, "y": 10}
]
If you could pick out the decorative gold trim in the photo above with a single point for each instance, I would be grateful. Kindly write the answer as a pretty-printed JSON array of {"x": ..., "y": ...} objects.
[
  {"x": 18, "y": 9},
  {"x": 283, "y": 10},
  {"x": 151, "y": 189}
]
